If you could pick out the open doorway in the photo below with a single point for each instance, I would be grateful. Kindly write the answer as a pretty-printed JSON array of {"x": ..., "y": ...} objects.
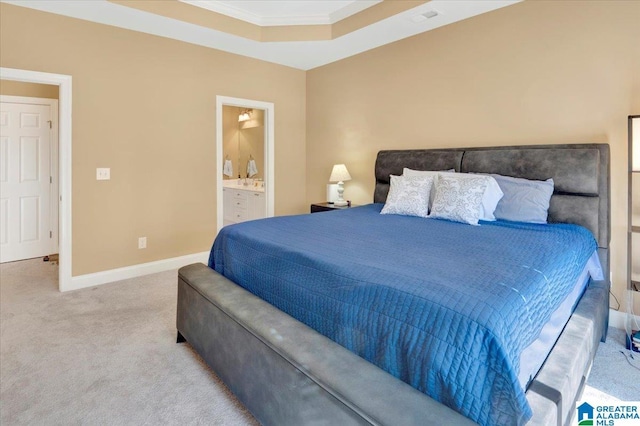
[
  {"x": 249, "y": 147},
  {"x": 64, "y": 159},
  {"x": 28, "y": 171}
]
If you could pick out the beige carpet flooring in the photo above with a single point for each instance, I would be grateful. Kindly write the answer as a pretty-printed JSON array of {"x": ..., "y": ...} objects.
[
  {"x": 101, "y": 356},
  {"x": 107, "y": 356}
]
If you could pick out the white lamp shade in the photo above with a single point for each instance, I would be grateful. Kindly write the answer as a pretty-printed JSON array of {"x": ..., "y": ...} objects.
[{"x": 339, "y": 173}]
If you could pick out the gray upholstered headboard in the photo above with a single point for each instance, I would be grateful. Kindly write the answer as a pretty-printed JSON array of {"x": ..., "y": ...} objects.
[{"x": 580, "y": 173}]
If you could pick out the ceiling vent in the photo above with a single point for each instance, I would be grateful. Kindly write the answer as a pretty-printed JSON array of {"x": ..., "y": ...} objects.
[{"x": 421, "y": 17}]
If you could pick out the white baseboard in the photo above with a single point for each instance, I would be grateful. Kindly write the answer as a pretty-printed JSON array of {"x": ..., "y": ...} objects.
[
  {"x": 98, "y": 278},
  {"x": 618, "y": 319}
]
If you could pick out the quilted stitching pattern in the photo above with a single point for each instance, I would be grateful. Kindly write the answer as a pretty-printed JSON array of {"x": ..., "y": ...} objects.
[{"x": 445, "y": 307}]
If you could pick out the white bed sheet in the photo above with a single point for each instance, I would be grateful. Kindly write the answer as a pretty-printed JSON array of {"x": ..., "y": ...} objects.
[{"x": 534, "y": 355}]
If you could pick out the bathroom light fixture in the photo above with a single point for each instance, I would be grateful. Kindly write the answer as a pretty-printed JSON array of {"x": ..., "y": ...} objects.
[
  {"x": 245, "y": 115},
  {"x": 340, "y": 174}
]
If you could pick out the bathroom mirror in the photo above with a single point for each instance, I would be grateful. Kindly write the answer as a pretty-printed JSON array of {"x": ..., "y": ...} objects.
[{"x": 243, "y": 143}]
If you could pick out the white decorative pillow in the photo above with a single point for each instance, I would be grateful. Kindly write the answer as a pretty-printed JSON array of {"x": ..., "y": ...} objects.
[
  {"x": 490, "y": 198},
  {"x": 434, "y": 174},
  {"x": 459, "y": 199},
  {"x": 408, "y": 195}
]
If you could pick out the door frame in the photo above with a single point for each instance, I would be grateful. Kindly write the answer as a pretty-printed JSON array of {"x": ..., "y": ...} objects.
[
  {"x": 269, "y": 150},
  {"x": 53, "y": 160},
  {"x": 64, "y": 82}
]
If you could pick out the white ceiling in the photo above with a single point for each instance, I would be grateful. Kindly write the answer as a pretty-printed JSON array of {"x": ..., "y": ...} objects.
[
  {"x": 303, "y": 55},
  {"x": 286, "y": 12}
]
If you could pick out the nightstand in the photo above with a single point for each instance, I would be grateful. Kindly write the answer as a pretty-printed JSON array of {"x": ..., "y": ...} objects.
[{"x": 326, "y": 207}]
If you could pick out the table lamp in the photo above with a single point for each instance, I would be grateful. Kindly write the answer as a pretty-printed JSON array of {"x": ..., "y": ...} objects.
[{"x": 340, "y": 174}]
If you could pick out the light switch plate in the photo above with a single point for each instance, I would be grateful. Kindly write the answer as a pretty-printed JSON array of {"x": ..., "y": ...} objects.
[{"x": 103, "y": 173}]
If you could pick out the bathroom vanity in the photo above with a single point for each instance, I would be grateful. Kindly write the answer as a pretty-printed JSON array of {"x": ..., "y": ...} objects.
[{"x": 242, "y": 202}]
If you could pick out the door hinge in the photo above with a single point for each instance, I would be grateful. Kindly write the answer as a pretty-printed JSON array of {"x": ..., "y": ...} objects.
[
  {"x": 50, "y": 234},
  {"x": 50, "y": 124},
  {"x": 50, "y": 179}
]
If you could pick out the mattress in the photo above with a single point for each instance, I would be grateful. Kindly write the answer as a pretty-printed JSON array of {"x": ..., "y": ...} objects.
[
  {"x": 534, "y": 355},
  {"x": 446, "y": 307}
]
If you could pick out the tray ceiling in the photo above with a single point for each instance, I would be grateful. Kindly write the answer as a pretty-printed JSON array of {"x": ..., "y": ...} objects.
[{"x": 300, "y": 34}]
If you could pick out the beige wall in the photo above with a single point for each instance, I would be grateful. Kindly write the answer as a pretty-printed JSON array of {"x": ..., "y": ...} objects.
[
  {"x": 31, "y": 90},
  {"x": 145, "y": 107},
  {"x": 537, "y": 72}
]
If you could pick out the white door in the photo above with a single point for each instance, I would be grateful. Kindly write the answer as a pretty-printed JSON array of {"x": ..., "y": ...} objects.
[{"x": 25, "y": 180}]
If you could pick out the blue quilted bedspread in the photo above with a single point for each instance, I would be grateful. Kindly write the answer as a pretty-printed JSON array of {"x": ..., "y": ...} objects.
[{"x": 445, "y": 307}]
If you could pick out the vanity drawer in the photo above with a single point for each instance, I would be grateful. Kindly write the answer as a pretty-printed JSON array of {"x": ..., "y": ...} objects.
[
  {"x": 239, "y": 215},
  {"x": 240, "y": 203},
  {"x": 240, "y": 195}
]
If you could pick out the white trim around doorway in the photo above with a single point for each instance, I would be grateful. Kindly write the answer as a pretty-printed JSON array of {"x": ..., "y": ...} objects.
[
  {"x": 64, "y": 82},
  {"x": 269, "y": 150}
]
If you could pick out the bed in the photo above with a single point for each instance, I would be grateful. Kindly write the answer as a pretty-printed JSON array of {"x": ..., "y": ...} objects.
[{"x": 288, "y": 373}]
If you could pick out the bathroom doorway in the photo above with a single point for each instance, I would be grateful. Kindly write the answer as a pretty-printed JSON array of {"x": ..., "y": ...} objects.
[{"x": 244, "y": 148}]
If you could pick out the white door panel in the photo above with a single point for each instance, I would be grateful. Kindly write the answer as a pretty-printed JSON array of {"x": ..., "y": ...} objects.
[
  {"x": 25, "y": 170},
  {"x": 4, "y": 221},
  {"x": 4, "y": 158}
]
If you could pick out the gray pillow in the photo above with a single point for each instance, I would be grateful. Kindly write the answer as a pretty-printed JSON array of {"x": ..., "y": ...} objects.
[{"x": 524, "y": 200}]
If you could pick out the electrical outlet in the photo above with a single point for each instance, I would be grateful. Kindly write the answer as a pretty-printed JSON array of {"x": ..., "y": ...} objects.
[
  {"x": 103, "y": 173},
  {"x": 142, "y": 242}
]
